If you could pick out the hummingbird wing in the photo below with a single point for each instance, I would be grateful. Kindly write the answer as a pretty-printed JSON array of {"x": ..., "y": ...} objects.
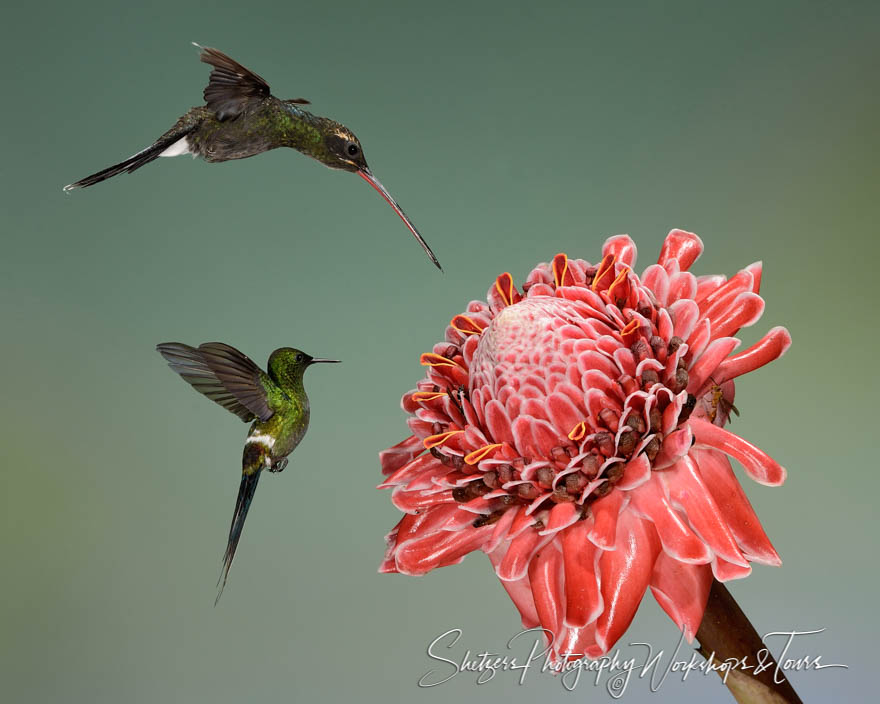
[
  {"x": 224, "y": 375},
  {"x": 231, "y": 86}
]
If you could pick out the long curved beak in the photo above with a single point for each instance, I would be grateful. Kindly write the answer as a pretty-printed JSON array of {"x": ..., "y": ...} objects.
[
  {"x": 367, "y": 175},
  {"x": 321, "y": 360}
]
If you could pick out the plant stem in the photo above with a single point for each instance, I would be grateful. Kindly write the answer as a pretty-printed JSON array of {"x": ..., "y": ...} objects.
[{"x": 725, "y": 633}]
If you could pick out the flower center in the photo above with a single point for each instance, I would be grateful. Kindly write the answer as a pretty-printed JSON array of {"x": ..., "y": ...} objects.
[{"x": 583, "y": 392}]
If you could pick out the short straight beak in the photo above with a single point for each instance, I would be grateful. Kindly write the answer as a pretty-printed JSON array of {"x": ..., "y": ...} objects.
[
  {"x": 321, "y": 360},
  {"x": 367, "y": 175}
]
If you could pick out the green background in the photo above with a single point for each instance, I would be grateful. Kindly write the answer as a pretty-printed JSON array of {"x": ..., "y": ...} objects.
[{"x": 509, "y": 132}]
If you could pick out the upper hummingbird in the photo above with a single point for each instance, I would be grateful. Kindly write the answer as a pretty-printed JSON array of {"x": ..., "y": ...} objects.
[
  {"x": 242, "y": 118},
  {"x": 276, "y": 403}
]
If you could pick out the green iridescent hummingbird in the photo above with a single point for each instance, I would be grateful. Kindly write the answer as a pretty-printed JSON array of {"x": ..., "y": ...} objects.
[
  {"x": 242, "y": 118},
  {"x": 276, "y": 403}
]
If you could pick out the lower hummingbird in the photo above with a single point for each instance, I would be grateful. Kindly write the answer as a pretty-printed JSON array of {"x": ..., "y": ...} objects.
[
  {"x": 276, "y": 402},
  {"x": 242, "y": 118}
]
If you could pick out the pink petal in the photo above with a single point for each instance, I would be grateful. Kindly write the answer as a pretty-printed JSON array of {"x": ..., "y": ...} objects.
[
  {"x": 656, "y": 279},
  {"x": 519, "y": 591},
  {"x": 726, "y": 292},
  {"x": 685, "y": 314},
  {"x": 498, "y": 423},
  {"x": 421, "y": 555},
  {"x": 522, "y": 548},
  {"x": 707, "y": 285},
  {"x": 583, "y": 601},
  {"x": 561, "y": 517},
  {"x": 563, "y": 413},
  {"x": 745, "y": 310},
  {"x": 395, "y": 457},
  {"x": 636, "y": 473},
  {"x": 545, "y": 580},
  {"x": 699, "y": 338},
  {"x": 770, "y": 347},
  {"x": 575, "y": 643},
  {"x": 623, "y": 249},
  {"x": 682, "y": 285},
  {"x": 733, "y": 503},
  {"x": 758, "y": 465},
  {"x": 415, "y": 501},
  {"x": 708, "y": 362},
  {"x": 423, "y": 466},
  {"x": 677, "y": 538},
  {"x": 755, "y": 270},
  {"x": 724, "y": 571},
  {"x": 502, "y": 529},
  {"x": 605, "y": 513},
  {"x": 675, "y": 446},
  {"x": 687, "y": 492},
  {"x": 625, "y": 574},
  {"x": 682, "y": 592},
  {"x": 684, "y": 246}
]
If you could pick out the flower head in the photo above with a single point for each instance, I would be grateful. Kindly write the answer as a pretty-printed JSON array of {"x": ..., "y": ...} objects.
[{"x": 573, "y": 431}]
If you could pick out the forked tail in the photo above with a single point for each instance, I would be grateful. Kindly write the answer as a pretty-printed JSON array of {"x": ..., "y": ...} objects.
[{"x": 243, "y": 503}]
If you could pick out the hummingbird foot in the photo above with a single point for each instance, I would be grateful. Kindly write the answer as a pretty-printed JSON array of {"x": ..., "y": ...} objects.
[{"x": 278, "y": 466}]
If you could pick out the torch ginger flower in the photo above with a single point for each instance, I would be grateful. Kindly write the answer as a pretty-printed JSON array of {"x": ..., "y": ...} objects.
[{"x": 574, "y": 432}]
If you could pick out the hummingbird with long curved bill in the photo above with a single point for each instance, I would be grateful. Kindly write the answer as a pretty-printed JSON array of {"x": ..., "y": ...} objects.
[
  {"x": 275, "y": 403},
  {"x": 241, "y": 118}
]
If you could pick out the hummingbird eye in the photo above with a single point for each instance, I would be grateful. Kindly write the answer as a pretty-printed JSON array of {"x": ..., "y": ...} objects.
[
  {"x": 352, "y": 149},
  {"x": 299, "y": 357}
]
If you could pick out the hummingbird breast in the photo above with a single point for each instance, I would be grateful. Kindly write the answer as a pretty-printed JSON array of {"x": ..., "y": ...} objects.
[{"x": 275, "y": 438}]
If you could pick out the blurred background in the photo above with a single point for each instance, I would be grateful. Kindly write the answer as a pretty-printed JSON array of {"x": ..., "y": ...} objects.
[{"x": 509, "y": 132}]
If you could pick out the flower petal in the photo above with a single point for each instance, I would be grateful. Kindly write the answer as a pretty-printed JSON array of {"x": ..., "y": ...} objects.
[
  {"x": 606, "y": 510},
  {"x": 622, "y": 248},
  {"x": 395, "y": 457},
  {"x": 684, "y": 246},
  {"x": 682, "y": 592},
  {"x": 758, "y": 465},
  {"x": 625, "y": 573},
  {"x": 676, "y": 537},
  {"x": 688, "y": 493},
  {"x": 583, "y": 600},
  {"x": 769, "y": 348},
  {"x": 423, "y": 554},
  {"x": 733, "y": 503},
  {"x": 522, "y": 548},
  {"x": 519, "y": 591},
  {"x": 545, "y": 580}
]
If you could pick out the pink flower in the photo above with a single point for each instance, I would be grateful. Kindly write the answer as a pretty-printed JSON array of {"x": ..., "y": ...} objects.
[{"x": 574, "y": 433}]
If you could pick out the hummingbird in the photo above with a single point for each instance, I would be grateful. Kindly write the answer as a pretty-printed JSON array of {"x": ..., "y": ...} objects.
[
  {"x": 241, "y": 118},
  {"x": 275, "y": 403}
]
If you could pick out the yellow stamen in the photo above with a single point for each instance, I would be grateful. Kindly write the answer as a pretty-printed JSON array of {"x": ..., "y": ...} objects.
[
  {"x": 477, "y": 455},
  {"x": 630, "y": 327},
  {"x": 430, "y": 359},
  {"x": 559, "y": 278},
  {"x": 506, "y": 296},
  {"x": 439, "y": 439},
  {"x": 466, "y": 325},
  {"x": 424, "y": 396},
  {"x": 578, "y": 432},
  {"x": 620, "y": 277},
  {"x": 606, "y": 264}
]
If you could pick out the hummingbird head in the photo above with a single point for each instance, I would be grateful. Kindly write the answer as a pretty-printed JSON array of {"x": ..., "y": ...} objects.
[
  {"x": 289, "y": 364},
  {"x": 342, "y": 150}
]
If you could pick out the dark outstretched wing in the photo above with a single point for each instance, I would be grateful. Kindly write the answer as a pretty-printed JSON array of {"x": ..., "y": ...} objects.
[
  {"x": 223, "y": 374},
  {"x": 230, "y": 85}
]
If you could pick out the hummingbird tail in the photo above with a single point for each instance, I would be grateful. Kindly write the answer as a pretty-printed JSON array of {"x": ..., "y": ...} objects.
[
  {"x": 243, "y": 503},
  {"x": 145, "y": 156}
]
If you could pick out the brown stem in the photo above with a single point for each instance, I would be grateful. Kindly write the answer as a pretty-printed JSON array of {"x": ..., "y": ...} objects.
[{"x": 726, "y": 634}]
